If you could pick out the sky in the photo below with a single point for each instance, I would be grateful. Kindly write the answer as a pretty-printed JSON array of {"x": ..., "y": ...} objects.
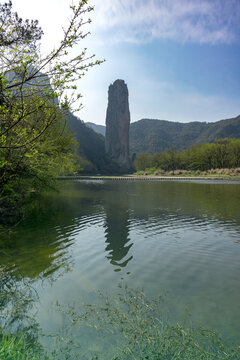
[{"x": 179, "y": 58}]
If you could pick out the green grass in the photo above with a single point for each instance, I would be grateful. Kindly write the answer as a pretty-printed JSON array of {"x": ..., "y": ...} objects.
[
  {"x": 13, "y": 347},
  {"x": 184, "y": 173}
]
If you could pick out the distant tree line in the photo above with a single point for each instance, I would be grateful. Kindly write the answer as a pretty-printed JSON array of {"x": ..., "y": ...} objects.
[{"x": 223, "y": 153}]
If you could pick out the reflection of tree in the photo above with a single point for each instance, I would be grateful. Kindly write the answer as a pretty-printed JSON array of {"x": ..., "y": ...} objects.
[
  {"x": 32, "y": 254},
  {"x": 37, "y": 248},
  {"x": 17, "y": 299},
  {"x": 117, "y": 230},
  {"x": 29, "y": 253},
  {"x": 40, "y": 247}
]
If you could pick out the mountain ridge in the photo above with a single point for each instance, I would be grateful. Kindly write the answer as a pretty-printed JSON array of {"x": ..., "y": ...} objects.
[{"x": 154, "y": 135}]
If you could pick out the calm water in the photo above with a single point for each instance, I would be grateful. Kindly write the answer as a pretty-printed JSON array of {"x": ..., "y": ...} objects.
[{"x": 181, "y": 239}]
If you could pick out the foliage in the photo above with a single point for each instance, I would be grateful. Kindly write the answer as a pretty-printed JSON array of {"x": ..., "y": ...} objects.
[
  {"x": 36, "y": 91},
  {"x": 15, "y": 31},
  {"x": 33, "y": 168},
  {"x": 26, "y": 72},
  {"x": 91, "y": 148},
  {"x": 223, "y": 153},
  {"x": 13, "y": 347},
  {"x": 129, "y": 325},
  {"x": 133, "y": 326},
  {"x": 143, "y": 161},
  {"x": 18, "y": 329}
]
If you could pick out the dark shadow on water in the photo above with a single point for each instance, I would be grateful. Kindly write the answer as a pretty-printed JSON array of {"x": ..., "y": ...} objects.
[{"x": 117, "y": 225}]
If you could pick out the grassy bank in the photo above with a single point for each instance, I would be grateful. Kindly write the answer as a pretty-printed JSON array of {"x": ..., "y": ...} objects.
[{"x": 221, "y": 173}]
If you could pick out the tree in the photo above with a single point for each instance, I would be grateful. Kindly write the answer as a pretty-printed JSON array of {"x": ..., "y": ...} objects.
[
  {"x": 35, "y": 92},
  {"x": 15, "y": 31},
  {"x": 30, "y": 82},
  {"x": 143, "y": 161},
  {"x": 234, "y": 153}
]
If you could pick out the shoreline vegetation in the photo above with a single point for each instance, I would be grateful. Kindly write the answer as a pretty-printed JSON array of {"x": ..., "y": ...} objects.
[
  {"x": 37, "y": 92},
  {"x": 158, "y": 174},
  {"x": 216, "y": 173},
  {"x": 219, "y": 158}
]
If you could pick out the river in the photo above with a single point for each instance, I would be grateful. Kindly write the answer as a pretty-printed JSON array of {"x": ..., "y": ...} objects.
[{"x": 173, "y": 238}]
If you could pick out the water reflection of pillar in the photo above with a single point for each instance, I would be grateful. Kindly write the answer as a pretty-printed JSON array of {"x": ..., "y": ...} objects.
[{"x": 117, "y": 231}]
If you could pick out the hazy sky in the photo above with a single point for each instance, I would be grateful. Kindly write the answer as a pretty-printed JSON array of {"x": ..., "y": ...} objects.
[{"x": 179, "y": 58}]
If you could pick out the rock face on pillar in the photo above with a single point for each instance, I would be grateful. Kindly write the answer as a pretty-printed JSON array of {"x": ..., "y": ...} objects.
[{"x": 117, "y": 123}]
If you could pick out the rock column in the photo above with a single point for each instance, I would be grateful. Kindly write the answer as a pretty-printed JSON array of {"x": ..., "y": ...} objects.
[{"x": 117, "y": 123}]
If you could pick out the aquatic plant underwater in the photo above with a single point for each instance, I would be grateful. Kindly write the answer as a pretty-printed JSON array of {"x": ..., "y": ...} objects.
[{"x": 128, "y": 325}]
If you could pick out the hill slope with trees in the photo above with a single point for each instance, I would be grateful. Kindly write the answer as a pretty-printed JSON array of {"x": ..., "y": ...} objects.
[
  {"x": 151, "y": 136},
  {"x": 92, "y": 157},
  {"x": 101, "y": 129},
  {"x": 36, "y": 91}
]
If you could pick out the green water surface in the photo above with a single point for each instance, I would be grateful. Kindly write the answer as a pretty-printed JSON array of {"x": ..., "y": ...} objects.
[{"x": 177, "y": 239}]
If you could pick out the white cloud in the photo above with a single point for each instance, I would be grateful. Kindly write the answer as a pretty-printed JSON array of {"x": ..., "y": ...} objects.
[
  {"x": 201, "y": 21},
  {"x": 155, "y": 99},
  {"x": 178, "y": 103}
]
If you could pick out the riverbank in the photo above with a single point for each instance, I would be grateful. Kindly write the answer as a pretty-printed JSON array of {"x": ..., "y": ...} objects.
[{"x": 151, "y": 177}]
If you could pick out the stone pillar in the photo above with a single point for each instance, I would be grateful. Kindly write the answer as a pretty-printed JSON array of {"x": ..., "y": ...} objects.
[{"x": 117, "y": 123}]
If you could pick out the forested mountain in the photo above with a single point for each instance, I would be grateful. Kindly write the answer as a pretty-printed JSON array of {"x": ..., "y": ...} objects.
[
  {"x": 91, "y": 148},
  {"x": 151, "y": 136},
  {"x": 159, "y": 135},
  {"x": 101, "y": 129},
  {"x": 225, "y": 128}
]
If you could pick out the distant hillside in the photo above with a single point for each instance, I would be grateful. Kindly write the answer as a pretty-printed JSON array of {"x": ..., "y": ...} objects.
[
  {"x": 97, "y": 128},
  {"x": 91, "y": 147},
  {"x": 159, "y": 135},
  {"x": 225, "y": 128},
  {"x": 148, "y": 135},
  {"x": 91, "y": 144}
]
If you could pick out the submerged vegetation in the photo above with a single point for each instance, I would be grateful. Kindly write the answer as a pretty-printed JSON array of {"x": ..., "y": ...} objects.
[
  {"x": 127, "y": 326},
  {"x": 206, "y": 158},
  {"x": 137, "y": 327}
]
